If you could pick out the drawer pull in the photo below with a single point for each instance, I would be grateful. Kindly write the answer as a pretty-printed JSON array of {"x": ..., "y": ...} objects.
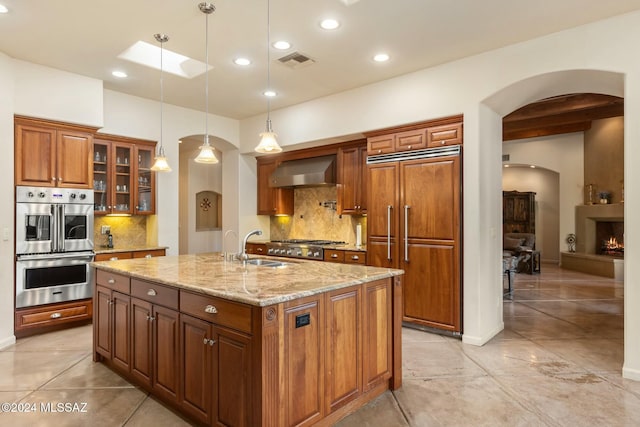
[
  {"x": 111, "y": 281},
  {"x": 210, "y": 309},
  {"x": 355, "y": 257},
  {"x": 212, "y": 342},
  {"x": 148, "y": 256},
  {"x": 152, "y": 292},
  {"x": 113, "y": 258},
  {"x": 206, "y": 341},
  {"x": 334, "y": 255},
  {"x": 56, "y": 316},
  {"x": 444, "y": 141}
]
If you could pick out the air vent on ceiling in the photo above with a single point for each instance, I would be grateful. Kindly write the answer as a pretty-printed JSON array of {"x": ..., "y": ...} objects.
[
  {"x": 296, "y": 60},
  {"x": 505, "y": 157}
]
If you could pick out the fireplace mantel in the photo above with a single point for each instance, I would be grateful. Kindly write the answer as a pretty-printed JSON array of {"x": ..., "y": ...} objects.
[{"x": 586, "y": 218}]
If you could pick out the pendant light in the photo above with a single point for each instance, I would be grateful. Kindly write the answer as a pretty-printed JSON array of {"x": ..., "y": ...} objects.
[
  {"x": 206, "y": 154},
  {"x": 268, "y": 143},
  {"x": 160, "y": 164}
]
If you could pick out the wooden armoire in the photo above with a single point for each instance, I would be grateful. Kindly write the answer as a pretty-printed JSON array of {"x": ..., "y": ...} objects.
[{"x": 518, "y": 212}]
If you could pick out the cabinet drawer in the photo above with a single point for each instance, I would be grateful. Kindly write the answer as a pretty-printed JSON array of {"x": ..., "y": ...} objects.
[
  {"x": 333, "y": 255},
  {"x": 50, "y": 315},
  {"x": 155, "y": 293},
  {"x": 149, "y": 254},
  {"x": 113, "y": 256},
  {"x": 381, "y": 144},
  {"x": 113, "y": 281},
  {"x": 355, "y": 257},
  {"x": 216, "y": 310},
  {"x": 444, "y": 135},
  {"x": 411, "y": 140}
]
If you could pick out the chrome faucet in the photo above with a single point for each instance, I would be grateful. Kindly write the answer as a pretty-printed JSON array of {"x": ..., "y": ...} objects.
[{"x": 243, "y": 255}]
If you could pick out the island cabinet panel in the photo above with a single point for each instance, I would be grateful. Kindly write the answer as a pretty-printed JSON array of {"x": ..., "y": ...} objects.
[
  {"x": 303, "y": 361},
  {"x": 377, "y": 325},
  {"x": 196, "y": 386},
  {"x": 112, "y": 321},
  {"x": 343, "y": 353},
  {"x": 141, "y": 341}
]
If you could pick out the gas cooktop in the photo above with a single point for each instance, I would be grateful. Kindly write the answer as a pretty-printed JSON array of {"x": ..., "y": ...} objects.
[
  {"x": 309, "y": 241},
  {"x": 299, "y": 248}
]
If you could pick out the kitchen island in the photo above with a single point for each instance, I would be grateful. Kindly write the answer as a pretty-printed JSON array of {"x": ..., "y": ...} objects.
[{"x": 282, "y": 343}]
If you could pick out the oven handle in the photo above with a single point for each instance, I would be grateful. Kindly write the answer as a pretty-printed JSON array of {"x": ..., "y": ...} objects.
[
  {"x": 53, "y": 228},
  {"x": 61, "y": 220},
  {"x": 88, "y": 257}
]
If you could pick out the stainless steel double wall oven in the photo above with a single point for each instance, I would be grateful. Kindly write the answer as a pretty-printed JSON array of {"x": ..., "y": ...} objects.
[{"x": 54, "y": 245}]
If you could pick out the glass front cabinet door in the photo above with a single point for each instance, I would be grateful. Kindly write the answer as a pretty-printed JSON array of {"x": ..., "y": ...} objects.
[
  {"x": 145, "y": 181},
  {"x": 101, "y": 177}
]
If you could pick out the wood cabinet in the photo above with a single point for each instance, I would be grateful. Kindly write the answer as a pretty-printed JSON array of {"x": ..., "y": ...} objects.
[
  {"x": 345, "y": 256},
  {"x": 53, "y": 154},
  {"x": 257, "y": 248},
  {"x": 518, "y": 212},
  {"x": 112, "y": 321},
  {"x": 414, "y": 223},
  {"x": 114, "y": 256},
  {"x": 223, "y": 363},
  {"x": 123, "y": 180},
  {"x": 29, "y": 321},
  {"x": 352, "y": 182},
  {"x": 272, "y": 201}
]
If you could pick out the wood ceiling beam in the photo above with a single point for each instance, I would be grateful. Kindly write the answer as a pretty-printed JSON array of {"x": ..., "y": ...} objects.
[
  {"x": 550, "y": 130},
  {"x": 572, "y": 116},
  {"x": 563, "y": 104}
]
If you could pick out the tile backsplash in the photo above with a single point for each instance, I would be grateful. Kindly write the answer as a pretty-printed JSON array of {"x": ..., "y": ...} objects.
[
  {"x": 127, "y": 231},
  {"x": 315, "y": 217}
]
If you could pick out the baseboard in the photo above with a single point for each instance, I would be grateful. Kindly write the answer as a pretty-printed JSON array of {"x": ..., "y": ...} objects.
[
  {"x": 479, "y": 341},
  {"x": 631, "y": 374},
  {"x": 8, "y": 341}
]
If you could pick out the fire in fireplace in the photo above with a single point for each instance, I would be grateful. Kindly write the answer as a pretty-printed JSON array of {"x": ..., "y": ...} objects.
[{"x": 610, "y": 238}]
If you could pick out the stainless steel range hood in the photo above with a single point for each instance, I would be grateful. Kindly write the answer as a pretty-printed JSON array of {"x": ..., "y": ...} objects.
[{"x": 315, "y": 171}]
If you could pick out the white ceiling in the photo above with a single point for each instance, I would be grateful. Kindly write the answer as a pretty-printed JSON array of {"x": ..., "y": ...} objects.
[{"x": 86, "y": 36}]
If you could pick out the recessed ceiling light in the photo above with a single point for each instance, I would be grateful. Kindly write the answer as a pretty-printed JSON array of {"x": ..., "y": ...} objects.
[
  {"x": 381, "y": 57},
  {"x": 269, "y": 93},
  {"x": 532, "y": 166},
  {"x": 242, "y": 61},
  {"x": 149, "y": 55},
  {"x": 3, "y": 9},
  {"x": 329, "y": 24},
  {"x": 506, "y": 166},
  {"x": 119, "y": 74},
  {"x": 282, "y": 45}
]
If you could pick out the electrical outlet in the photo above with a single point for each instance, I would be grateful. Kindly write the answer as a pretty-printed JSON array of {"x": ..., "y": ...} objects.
[{"x": 105, "y": 229}]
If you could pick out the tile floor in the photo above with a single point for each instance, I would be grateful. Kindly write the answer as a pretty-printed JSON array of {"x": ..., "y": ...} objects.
[{"x": 557, "y": 363}]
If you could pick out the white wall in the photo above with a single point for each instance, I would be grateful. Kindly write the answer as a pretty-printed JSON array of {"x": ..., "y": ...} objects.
[
  {"x": 7, "y": 212},
  {"x": 560, "y": 153},
  {"x": 546, "y": 185}
]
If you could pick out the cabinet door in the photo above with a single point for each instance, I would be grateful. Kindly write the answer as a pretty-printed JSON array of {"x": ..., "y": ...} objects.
[
  {"x": 196, "y": 367},
  {"x": 74, "y": 155},
  {"x": 272, "y": 201},
  {"x": 438, "y": 136},
  {"x": 166, "y": 351},
  {"x": 101, "y": 177},
  {"x": 144, "y": 181},
  {"x": 121, "y": 190},
  {"x": 351, "y": 180},
  {"x": 377, "y": 328},
  {"x": 232, "y": 378},
  {"x": 141, "y": 341},
  {"x": 35, "y": 160},
  {"x": 343, "y": 347},
  {"x": 382, "y": 223},
  {"x": 381, "y": 144},
  {"x": 411, "y": 140},
  {"x": 102, "y": 322},
  {"x": 121, "y": 354}
]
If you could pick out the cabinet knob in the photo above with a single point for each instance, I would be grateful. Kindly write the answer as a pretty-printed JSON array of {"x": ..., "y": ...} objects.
[
  {"x": 56, "y": 315},
  {"x": 113, "y": 258},
  {"x": 259, "y": 249},
  {"x": 60, "y": 178},
  {"x": 205, "y": 341},
  {"x": 212, "y": 342},
  {"x": 444, "y": 141},
  {"x": 111, "y": 281},
  {"x": 150, "y": 318},
  {"x": 379, "y": 151},
  {"x": 409, "y": 147},
  {"x": 355, "y": 257},
  {"x": 334, "y": 255},
  {"x": 210, "y": 309},
  {"x": 152, "y": 292},
  {"x": 53, "y": 178},
  {"x": 148, "y": 256}
]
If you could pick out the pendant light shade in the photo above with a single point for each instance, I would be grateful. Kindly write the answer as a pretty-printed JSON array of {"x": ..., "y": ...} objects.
[
  {"x": 206, "y": 154},
  {"x": 268, "y": 143},
  {"x": 160, "y": 164}
]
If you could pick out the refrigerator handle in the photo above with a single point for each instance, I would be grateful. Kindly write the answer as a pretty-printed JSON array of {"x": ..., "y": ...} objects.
[
  {"x": 406, "y": 233},
  {"x": 389, "y": 207}
]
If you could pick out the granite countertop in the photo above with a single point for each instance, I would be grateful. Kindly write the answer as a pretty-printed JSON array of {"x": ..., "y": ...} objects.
[
  {"x": 261, "y": 286},
  {"x": 104, "y": 250}
]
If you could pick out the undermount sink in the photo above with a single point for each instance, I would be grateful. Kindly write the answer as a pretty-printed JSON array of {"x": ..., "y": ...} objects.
[{"x": 265, "y": 262}]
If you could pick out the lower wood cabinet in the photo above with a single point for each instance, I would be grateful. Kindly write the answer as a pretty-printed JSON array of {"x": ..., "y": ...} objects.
[
  {"x": 223, "y": 363},
  {"x": 114, "y": 256},
  {"x": 33, "y": 320},
  {"x": 345, "y": 257}
]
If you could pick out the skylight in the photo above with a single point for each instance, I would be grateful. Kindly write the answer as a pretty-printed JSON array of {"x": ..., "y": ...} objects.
[{"x": 147, "y": 54}]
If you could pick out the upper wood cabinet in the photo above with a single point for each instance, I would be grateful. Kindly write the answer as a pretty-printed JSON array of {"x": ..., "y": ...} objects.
[
  {"x": 418, "y": 136},
  {"x": 53, "y": 154},
  {"x": 272, "y": 201},
  {"x": 123, "y": 180},
  {"x": 352, "y": 182}
]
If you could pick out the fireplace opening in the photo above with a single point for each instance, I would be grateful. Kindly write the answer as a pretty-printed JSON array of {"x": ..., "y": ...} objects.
[{"x": 610, "y": 238}]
